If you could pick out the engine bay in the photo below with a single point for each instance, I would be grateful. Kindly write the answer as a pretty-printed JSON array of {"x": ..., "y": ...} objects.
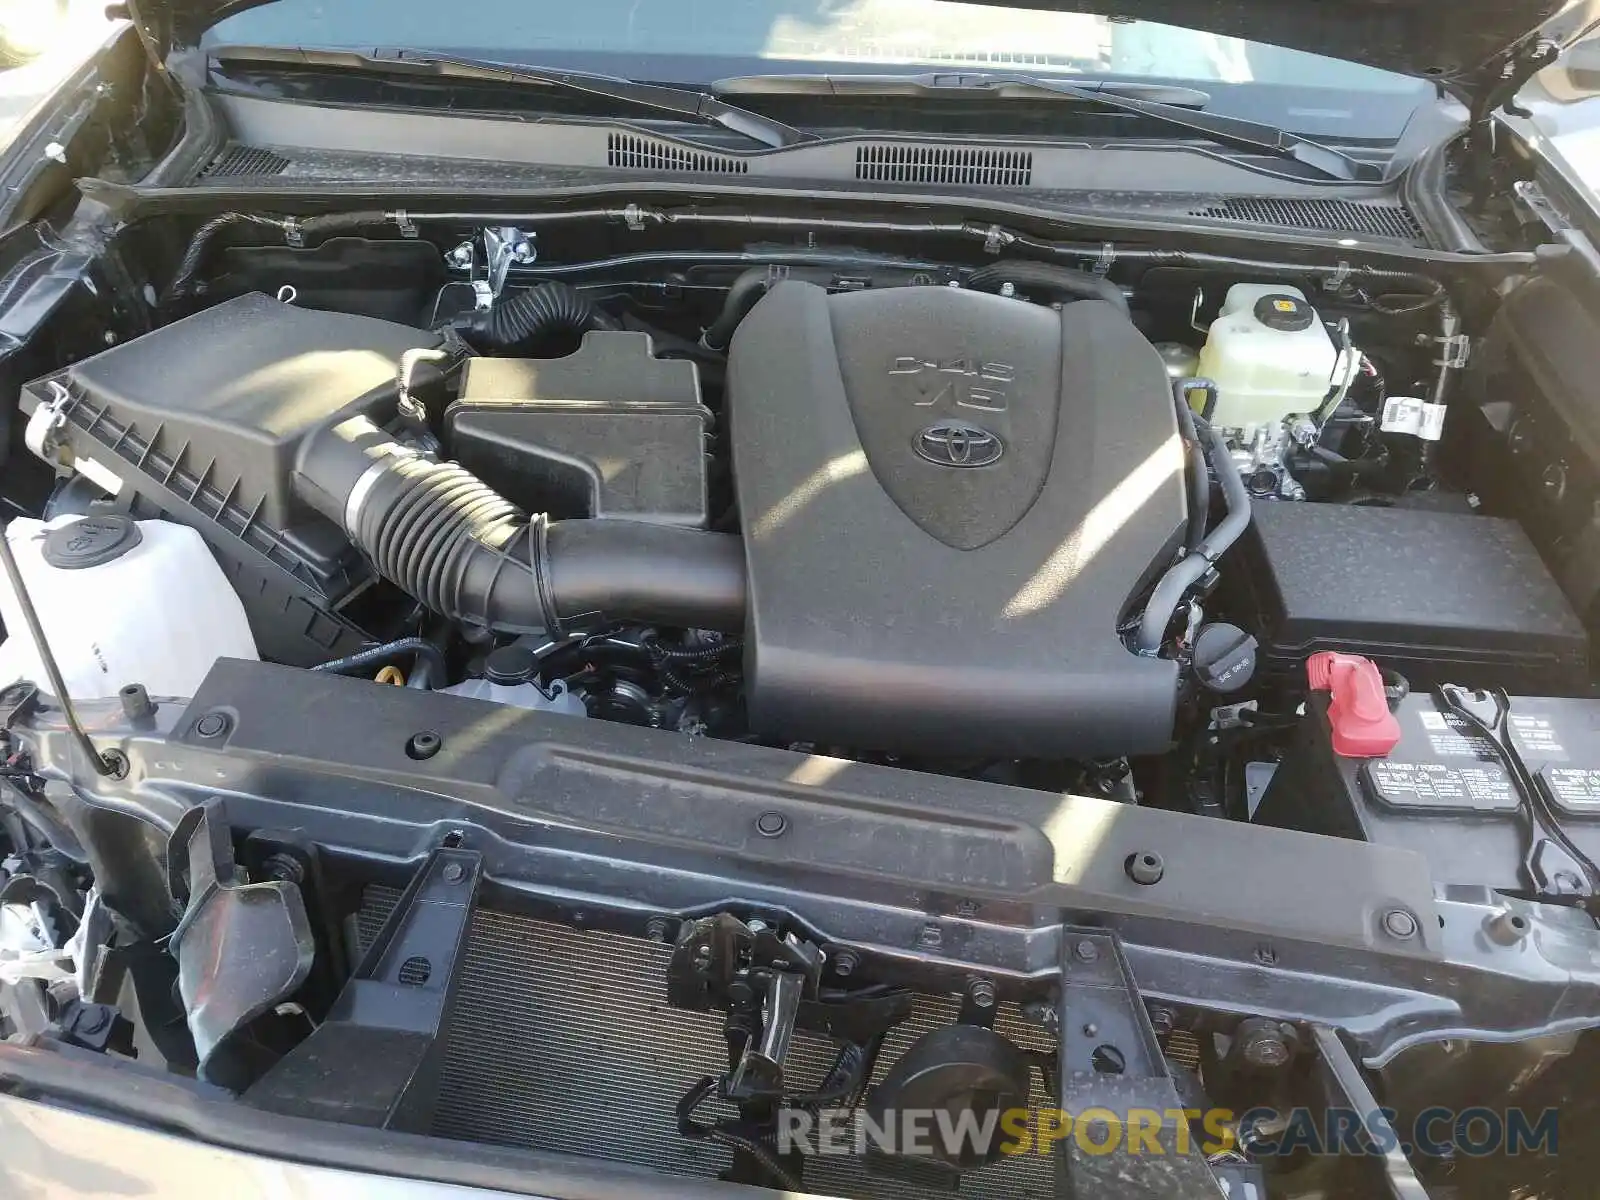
[
  {"x": 903, "y": 665},
  {"x": 984, "y": 519}
]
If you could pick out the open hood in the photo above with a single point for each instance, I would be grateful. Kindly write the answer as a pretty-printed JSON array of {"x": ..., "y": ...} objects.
[{"x": 1465, "y": 44}]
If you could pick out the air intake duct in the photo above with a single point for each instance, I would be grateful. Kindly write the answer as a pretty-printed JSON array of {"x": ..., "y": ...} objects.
[{"x": 467, "y": 553}]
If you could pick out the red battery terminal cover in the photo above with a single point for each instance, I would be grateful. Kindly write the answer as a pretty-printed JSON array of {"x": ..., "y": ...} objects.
[{"x": 1363, "y": 726}]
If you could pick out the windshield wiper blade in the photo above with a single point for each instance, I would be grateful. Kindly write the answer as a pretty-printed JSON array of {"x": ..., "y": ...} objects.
[
  {"x": 681, "y": 101},
  {"x": 934, "y": 82},
  {"x": 1235, "y": 132}
]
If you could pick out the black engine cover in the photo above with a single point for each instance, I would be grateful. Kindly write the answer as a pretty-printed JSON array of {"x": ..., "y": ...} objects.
[{"x": 949, "y": 500}]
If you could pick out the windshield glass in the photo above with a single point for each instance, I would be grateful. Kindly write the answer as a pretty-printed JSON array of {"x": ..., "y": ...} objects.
[
  {"x": 865, "y": 34},
  {"x": 696, "y": 42}
]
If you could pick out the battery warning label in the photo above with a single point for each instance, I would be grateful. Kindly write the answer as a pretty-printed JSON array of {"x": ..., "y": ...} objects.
[
  {"x": 1537, "y": 738},
  {"x": 1574, "y": 788},
  {"x": 1441, "y": 786}
]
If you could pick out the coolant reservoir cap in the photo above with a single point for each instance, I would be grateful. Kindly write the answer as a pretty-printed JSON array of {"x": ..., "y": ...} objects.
[
  {"x": 1284, "y": 313},
  {"x": 90, "y": 541}
]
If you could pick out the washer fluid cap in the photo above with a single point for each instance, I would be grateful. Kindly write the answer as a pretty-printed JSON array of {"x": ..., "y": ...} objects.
[{"x": 90, "y": 542}]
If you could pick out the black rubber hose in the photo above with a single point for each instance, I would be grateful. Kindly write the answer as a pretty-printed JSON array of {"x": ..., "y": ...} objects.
[
  {"x": 310, "y": 231},
  {"x": 1059, "y": 282},
  {"x": 469, "y": 554},
  {"x": 1191, "y": 568},
  {"x": 429, "y": 666},
  {"x": 743, "y": 293},
  {"x": 194, "y": 255},
  {"x": 1194, "y": 452},
  {"x": 528, "y": 316}
]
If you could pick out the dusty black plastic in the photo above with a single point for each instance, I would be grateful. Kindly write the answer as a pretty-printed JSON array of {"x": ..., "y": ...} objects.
[
  {"x": 376, "y": 1059},
  {"x": 242, "y": 948},
  {"x": 900, "y": 604},
  {"x": 1440, "y": 597},
  {"x": 201, "y": 421},
  {"x": 608, "y": 431}
]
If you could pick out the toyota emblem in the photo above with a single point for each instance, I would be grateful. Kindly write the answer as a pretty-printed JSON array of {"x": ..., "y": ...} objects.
[{"x": 959, "y": 444}]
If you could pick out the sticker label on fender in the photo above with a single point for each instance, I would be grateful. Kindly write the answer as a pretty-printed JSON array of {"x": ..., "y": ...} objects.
[{"x": 1407, "y": 414}]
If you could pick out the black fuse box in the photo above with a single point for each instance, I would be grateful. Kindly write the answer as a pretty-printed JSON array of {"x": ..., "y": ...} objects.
[
  {"x": 1443, "y": 791},
  {"x": 608, "y": 431},
  {"x": 1438, "y": 596}
]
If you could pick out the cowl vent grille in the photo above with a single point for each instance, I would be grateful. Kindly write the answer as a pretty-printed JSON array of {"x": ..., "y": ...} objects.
[
  {"x": 1332, "y": 216},
  {"x": 240, "y": 161},
  {"x": 646, "y": 154},
  {"x": 983, "y": 167}
]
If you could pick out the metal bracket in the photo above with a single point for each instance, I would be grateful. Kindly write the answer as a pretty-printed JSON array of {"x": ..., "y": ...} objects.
[
  {"x": 1346, "y": 1086},
  {"x": 1110, "y": 1059},
  {"x": 766, "y": 979},
  {"x": 503, "y": 245},
  {"x": 1454, "y": 351},
  {"x": 1105, "y": 261},
  {"x": 1529, "y": 198},
  {"x": 404, "y": 223},
  {"x": 242, "y": 948},
  {"x": 376, "y": 1059}
]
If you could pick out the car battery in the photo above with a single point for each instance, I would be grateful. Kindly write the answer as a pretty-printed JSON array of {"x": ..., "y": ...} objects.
[{"x": 1431, "y": 782}]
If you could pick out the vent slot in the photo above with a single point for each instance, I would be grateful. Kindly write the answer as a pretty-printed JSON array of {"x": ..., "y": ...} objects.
[
  {"x": 238, "y": 161},
  {"x": 646, "y": 154},
  {"x": 1333, "y": 216},
  {"x": 984, "y": 167}
]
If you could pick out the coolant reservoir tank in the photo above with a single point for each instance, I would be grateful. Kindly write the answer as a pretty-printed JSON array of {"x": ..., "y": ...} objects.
[
  {"x": 1269, "y": 355},
  {"x": 121, "y": 602}
]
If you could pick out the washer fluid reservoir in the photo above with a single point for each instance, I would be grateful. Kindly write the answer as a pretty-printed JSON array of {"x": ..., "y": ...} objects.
[
  {"x": 121, "y": 601},
  {"x": 1269, "y": 355}
]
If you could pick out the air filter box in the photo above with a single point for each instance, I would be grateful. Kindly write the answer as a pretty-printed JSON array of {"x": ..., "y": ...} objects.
[
  {"x": 199, "y": 423},
  {"x": 608, "y": 431}
]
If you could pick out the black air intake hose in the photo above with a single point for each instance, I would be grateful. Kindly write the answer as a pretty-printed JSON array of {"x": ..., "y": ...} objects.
[
  {"x": 531, "y": 315},
  {"x": 467, "y": 553},
  {"x": 1061, "y": 282}
]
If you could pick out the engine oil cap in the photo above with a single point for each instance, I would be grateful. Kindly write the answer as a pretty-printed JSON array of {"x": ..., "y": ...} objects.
[
  {"x": 1284, "y": 313},
  {"x": 90, "y": 541},
  {"x": 1363, "y": 726}
]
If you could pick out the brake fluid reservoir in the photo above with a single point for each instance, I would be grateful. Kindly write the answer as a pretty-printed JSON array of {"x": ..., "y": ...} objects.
[
  {"x": 1269, "y": 355},
  {"x": 121, "y": 602}
]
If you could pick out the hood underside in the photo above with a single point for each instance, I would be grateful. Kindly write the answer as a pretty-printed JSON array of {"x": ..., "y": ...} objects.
[{"x": 1451, "y": 42}]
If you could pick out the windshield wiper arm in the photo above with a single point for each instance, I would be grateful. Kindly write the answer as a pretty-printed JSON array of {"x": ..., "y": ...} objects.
[
  {"x": 934, "y": 82},
  {"x": 1235, "y": 132},
  {"x": 681, "y": 101}
]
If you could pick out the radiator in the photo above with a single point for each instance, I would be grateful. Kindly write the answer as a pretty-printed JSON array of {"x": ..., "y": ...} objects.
[{"x": 563, "y": 1041}]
